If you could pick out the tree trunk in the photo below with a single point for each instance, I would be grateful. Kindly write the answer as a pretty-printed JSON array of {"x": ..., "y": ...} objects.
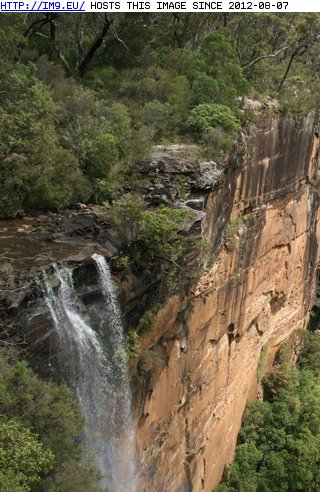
[{"x": 82, "y": 68}]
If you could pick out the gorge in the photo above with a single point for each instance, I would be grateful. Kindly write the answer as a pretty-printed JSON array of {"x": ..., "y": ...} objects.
[{"x": 197, "y": 366}]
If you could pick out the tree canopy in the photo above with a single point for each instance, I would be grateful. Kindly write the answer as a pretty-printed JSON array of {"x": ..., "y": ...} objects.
[
  {"x": 40, "y": 424},
  {"x": 83, "y": 97},
  {"x": 279, "y": 442}
]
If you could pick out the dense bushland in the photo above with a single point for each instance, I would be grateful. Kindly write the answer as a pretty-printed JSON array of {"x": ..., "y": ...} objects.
[
  {"x": 279, "y": 442},
  {"x": 83, "y": 97},
  {"x": 40, "y": 430}
]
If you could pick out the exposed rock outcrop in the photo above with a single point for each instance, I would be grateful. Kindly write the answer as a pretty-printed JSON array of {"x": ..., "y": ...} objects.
[{"x": 201, "y": 366}]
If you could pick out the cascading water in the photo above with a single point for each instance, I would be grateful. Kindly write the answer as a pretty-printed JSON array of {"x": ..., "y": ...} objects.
[{"x": 93, "y": 363}]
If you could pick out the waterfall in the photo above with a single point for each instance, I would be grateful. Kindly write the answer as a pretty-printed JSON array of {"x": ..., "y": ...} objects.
[{"x": 93, "y": 363}]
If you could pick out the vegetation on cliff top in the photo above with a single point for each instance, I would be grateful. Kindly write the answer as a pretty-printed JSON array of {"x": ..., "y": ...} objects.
[
  {"x": 279, "y": 442},
  {"x": 83, "y": 97},
  {"x": 149, "y": 236}
]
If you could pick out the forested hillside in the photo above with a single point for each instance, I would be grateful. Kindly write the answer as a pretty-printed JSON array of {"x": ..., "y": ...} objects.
[{"x": 83, "y": 97}]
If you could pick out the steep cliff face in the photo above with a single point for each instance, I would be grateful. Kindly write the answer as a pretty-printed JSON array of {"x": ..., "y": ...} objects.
[{"x": 204, "y": 350}]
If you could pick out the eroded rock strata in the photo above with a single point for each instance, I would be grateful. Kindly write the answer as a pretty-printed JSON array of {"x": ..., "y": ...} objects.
[{"x": 203, "y": 352}]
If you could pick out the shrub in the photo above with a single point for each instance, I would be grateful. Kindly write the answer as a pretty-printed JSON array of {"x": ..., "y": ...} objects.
[
  {"x": 222, "y": 60},
  {"x": 147, "y": 319},
  {"x": 39, "y": 425},
  {"x": 23, "y": 459},
  {"x": 102, "y": 154},
  {"x": 206, "y": 89},
  {"x": 158, "y": 232},
  {"x": 155, "y": 117},
  {"x": 232, "y": 231},
  {"x": 35, "y": 171},
  {"x": 262, "y": 362},
  {"x": 125, "y": 215},
  {"x": 204, "y": 117},
  {"x": 216, "y": 142},
  {"x": 119, "y": 123},
  {"x": 132, "y": 346},
  {"x": 148, "y": 234}
]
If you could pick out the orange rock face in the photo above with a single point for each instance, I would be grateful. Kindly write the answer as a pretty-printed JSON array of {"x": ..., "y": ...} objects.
[{"x": 202, "y": 368}]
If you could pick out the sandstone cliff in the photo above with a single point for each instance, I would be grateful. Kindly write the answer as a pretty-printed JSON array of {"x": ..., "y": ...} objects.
[{"x": 203, "y": 352}]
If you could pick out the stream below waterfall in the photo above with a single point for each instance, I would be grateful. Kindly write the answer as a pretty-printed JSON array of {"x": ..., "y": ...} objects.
[{"x": 92, "y": 361}]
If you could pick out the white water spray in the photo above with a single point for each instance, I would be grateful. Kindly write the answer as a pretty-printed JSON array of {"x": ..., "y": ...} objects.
[{"x": 93, "y": 363}]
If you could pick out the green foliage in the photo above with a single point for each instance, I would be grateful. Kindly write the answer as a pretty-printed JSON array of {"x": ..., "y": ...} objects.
[
  {"x": 34, "y": 169},
  {"x": 75, "y": 476},
  {"x": 38, "y": 428},
  {"x": 120, "y": 262},
  {"x": 279, "y": 441},
  {"x": 224, "y": 79},
  {"x": 310, "y": 352},
  {"x": 158, "y": 232},
  {"x": 148, "y": 235},
  {"x": 222, "y": 61},
  {"x": 204, "y": 117},
  {"x": 23, "y": 459},
  {"x": 97, "y": 134},
  {"x": 11, "y": 37},
  {"x": 207, "y": 89},
  {"x": 215, "y": 142},
  {"x": 120, "y": 126},
  {"x": 102, "y": 153},
  {"x": 155, "y": 116},
  {"x": 74, "y": 132},
  {"x": 132, "y": 346},
  {"x": 125, "y": 215},
  {"x": 107, "y": 189},
  {"x": 147, "y": 319},
  {"x": 231, "y": 232},
  {"x": 38, "y": 404},
  {"x": 262, "y": 362}
]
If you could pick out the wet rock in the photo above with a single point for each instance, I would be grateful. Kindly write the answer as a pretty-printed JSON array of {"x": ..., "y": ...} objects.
[
  {"x": 111, "y": 249},
  {"x": 78, "y": 224},
  {"x": 77, "y": 258},
  {"x": 196, "y": 203}
]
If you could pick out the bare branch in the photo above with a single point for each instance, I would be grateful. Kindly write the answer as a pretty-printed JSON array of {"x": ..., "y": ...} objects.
[
  {"x": 38, "y": 24},
  {"x": 114, "y": 34},
  {"x": 269, "y": 55}
]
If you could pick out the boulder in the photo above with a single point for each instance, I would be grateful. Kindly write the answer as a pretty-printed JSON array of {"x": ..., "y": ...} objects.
[{"x": 208, "y": 176}]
